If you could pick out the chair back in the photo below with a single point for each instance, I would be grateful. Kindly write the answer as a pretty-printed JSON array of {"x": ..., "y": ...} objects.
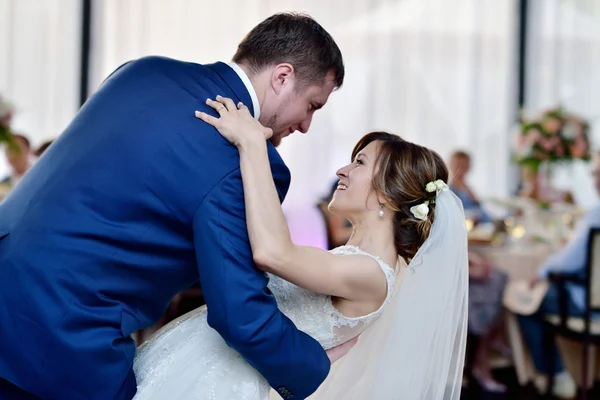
[{"x": 593, "y": 270}]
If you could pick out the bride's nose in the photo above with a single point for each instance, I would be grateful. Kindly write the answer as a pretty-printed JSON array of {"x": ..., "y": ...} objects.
[{"x": 342, "y": 172}]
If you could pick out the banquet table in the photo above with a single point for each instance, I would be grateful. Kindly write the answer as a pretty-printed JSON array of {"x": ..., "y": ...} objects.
[{"x": 521, "y": 261}]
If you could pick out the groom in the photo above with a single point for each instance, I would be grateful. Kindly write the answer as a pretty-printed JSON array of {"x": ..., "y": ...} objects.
[{"x": 136, "y": 201}]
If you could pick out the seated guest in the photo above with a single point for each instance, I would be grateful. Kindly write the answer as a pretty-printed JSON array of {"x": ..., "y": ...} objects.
[
  {"x": 486, "y": 290},
  {"x": 460, "y": 163},
  {"x": 339, "y": 229},
  {"x": 19, "y": 158},
  {"x": 571, "y": 260}
]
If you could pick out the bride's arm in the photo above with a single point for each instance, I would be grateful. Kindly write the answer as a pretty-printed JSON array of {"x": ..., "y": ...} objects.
[
  {"x": 351, "y": 277},
  {"x": 354, "y": 277}
]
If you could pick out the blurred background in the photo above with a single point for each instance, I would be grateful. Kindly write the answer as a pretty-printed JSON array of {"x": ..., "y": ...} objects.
[
  {"x": 486, "y": 83},
  {"x": 445, "y": 73}
]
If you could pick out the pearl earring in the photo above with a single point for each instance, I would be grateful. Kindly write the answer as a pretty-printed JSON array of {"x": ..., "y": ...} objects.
[{"x": 380, "y": 210}]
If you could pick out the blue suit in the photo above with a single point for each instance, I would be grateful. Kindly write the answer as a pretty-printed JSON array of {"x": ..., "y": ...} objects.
[{"x": 134, "y": 202}]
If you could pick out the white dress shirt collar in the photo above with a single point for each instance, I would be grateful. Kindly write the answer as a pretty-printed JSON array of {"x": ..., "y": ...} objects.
[{"x": 255, "y": 104}]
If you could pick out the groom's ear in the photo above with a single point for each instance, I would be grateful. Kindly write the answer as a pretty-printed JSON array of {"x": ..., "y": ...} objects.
[{"x": 282, "y": 77}]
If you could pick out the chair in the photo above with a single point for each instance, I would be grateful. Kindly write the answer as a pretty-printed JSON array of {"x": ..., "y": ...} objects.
[{"x": 581, "y": 329}]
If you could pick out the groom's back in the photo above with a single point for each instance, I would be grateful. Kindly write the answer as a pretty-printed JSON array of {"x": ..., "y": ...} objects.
[{"x": 97, "y": 237}]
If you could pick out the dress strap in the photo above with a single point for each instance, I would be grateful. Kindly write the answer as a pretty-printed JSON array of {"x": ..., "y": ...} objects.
[{"x": 390, "y": 273}]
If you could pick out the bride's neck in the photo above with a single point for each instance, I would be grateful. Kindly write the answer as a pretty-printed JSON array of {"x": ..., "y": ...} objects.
[{"x": 376, "y": 238}]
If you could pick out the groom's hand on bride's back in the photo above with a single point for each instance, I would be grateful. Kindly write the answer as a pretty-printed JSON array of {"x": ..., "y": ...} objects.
[{"x": 340, "y": 351}]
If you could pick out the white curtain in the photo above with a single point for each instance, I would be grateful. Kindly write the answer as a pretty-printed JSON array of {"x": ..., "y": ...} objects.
[
  {"x": 437, "y": 72},
  {"x": 39, "y": 65},
  {"x": 563, "y": 58}
]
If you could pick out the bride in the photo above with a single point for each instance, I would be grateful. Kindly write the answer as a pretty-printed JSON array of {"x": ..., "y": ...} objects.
[{"x": 412, "y": 335}]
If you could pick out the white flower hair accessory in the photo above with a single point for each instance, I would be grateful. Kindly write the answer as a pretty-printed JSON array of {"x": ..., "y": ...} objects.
[
  {"x": 421, "y": 211},
  {"x": 436, "y": 186}
]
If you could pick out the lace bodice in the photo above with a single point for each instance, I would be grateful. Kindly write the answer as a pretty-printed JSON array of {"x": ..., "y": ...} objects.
[
  {"x": 187, "y": 359},
  {"x": 315, "y": 314}
]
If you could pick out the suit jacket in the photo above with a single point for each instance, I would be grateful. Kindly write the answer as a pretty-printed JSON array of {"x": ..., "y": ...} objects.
[{"x": 134, "y": 202}]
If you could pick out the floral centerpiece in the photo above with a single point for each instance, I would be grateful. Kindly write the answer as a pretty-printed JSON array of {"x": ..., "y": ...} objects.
[
  {"x": 6, "y": 112},
  {"x": 554, "y": 137}
]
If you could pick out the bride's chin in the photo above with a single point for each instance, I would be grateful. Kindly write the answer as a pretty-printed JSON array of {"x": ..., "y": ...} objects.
[{"x": 336, "y": 209}]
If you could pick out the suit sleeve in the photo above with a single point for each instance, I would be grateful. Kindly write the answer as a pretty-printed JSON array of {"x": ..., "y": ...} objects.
[{"x": 240, "y": 305}]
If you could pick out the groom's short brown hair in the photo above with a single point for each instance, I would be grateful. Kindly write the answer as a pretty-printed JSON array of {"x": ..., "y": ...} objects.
[{"x": 296, "y": 39}]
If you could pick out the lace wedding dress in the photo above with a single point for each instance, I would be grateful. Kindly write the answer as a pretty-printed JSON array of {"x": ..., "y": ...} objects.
[{"x": 189, "y": 360}]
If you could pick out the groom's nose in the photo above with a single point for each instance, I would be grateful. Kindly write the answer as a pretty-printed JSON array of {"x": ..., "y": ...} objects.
[{"x": 304, "y": 125}]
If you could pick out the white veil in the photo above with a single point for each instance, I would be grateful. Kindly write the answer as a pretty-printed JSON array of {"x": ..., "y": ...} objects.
[{"x": 416, "y": 350}]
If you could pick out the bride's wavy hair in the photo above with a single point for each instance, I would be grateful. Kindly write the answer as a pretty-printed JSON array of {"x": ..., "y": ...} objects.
[{"x": 402, "y": 171}]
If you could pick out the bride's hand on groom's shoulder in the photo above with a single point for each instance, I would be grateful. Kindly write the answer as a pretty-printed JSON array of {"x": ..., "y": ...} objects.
[{"x": 235, "y": 123}]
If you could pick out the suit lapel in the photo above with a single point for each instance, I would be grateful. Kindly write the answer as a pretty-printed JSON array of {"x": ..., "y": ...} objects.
[{"x": 232, "y": 80}]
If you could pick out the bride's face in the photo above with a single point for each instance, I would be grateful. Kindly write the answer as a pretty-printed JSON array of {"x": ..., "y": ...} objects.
[{"x": 355, "y": 194}]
